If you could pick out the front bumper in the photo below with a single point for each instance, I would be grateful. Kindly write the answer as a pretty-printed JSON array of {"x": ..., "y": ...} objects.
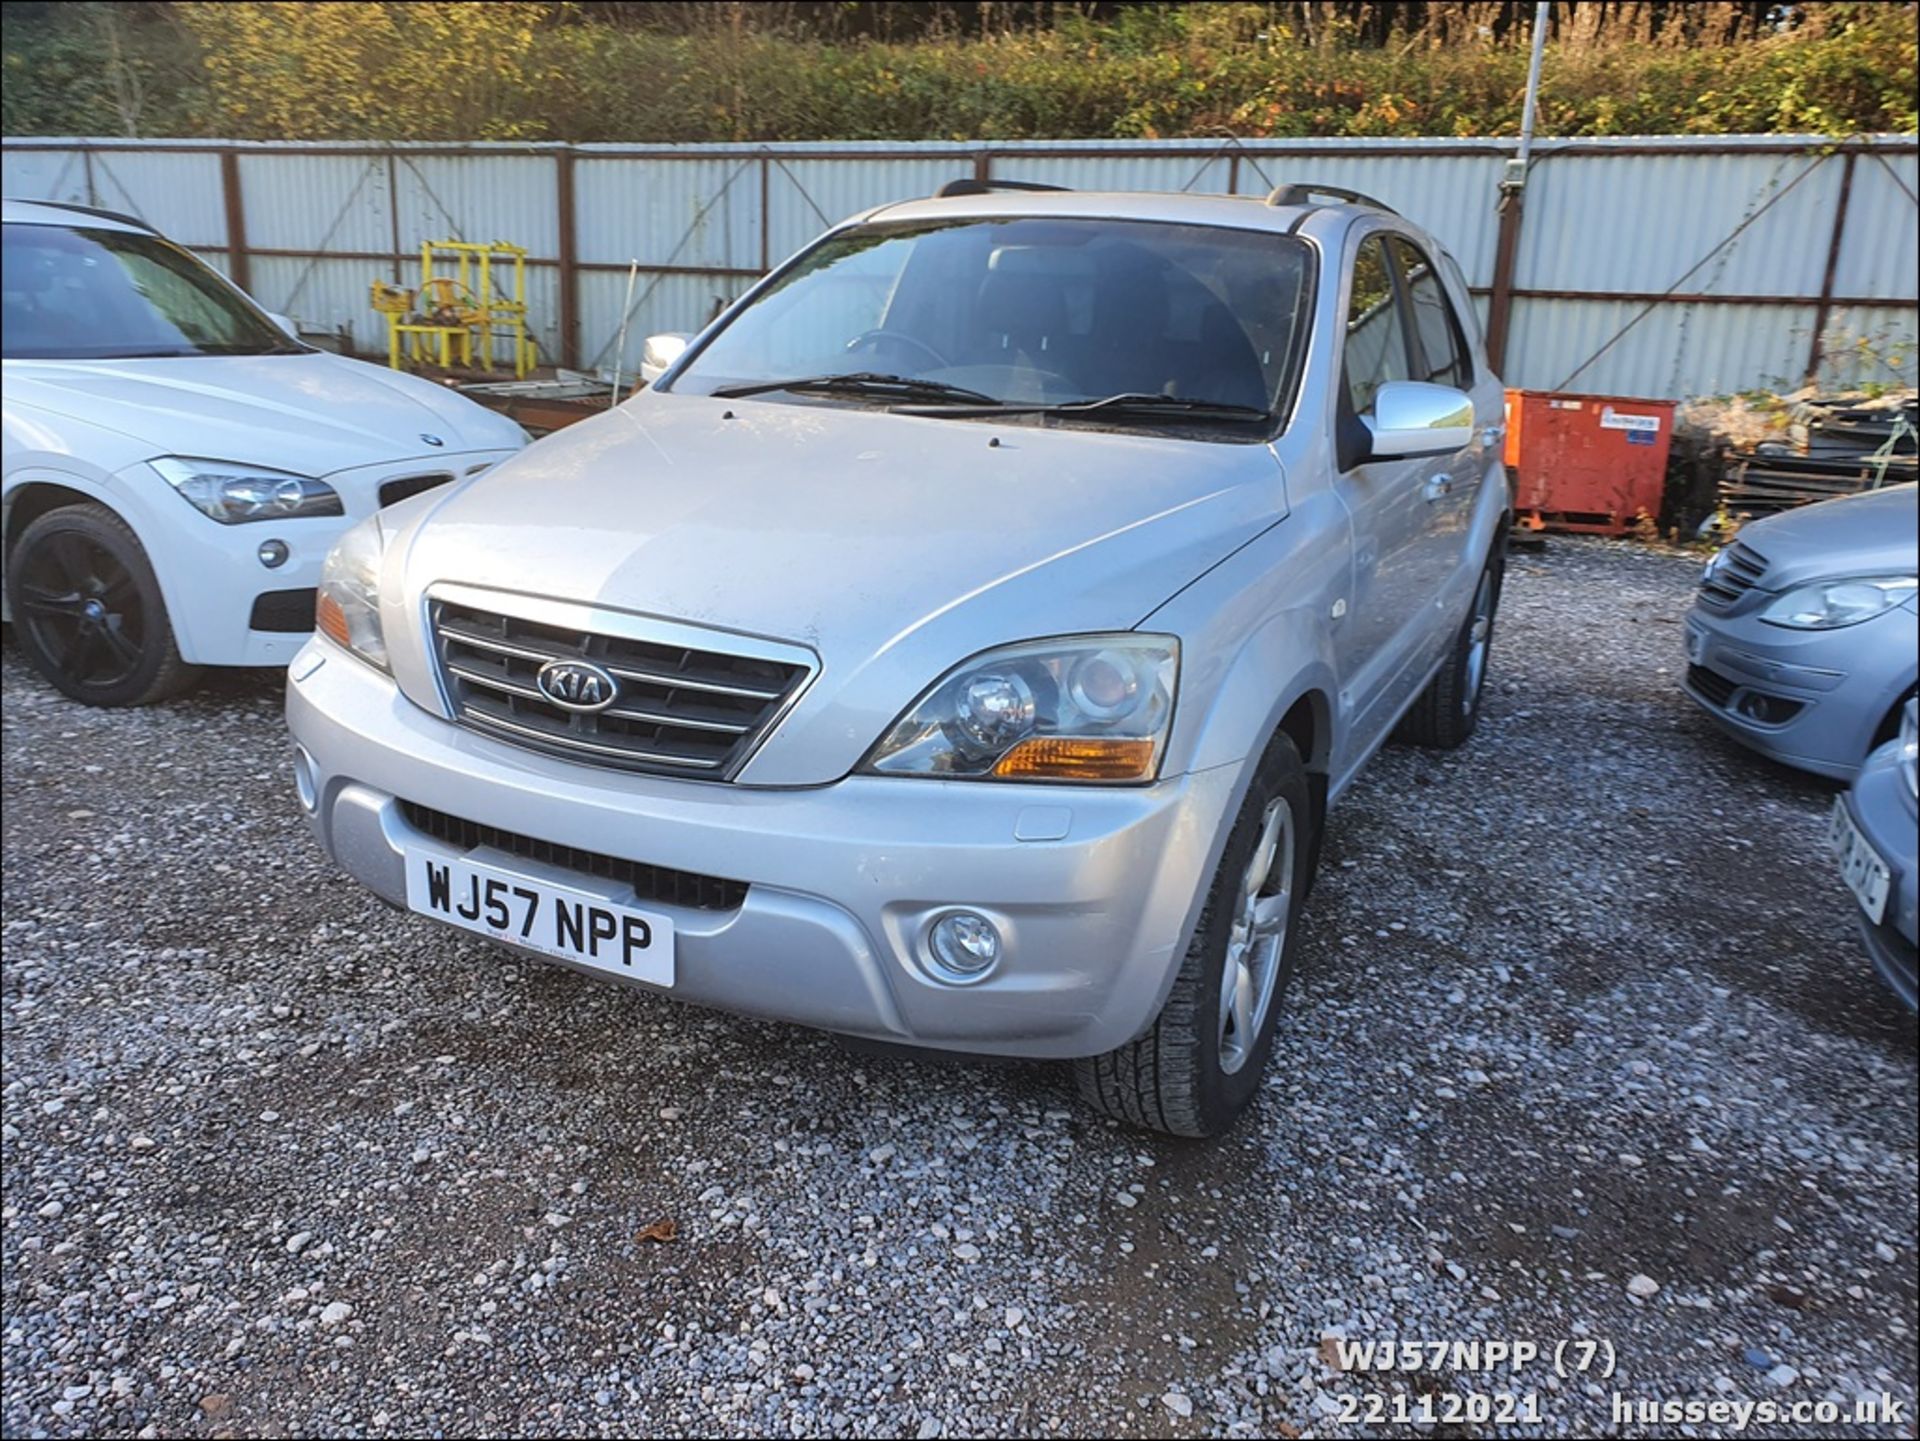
[
  {"x": 1813, "y": 699},
  {"x": 214, "y": 583},
  {"x": 1095, "y": 891},
  {"x": 1887, "y": 815}
]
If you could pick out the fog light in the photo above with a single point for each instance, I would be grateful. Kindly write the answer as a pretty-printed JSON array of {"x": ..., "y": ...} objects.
[
  {"x": 964, "y": 943},
  {"x": 272, "y": 553},
  {"x": 1767, "y": 710}
]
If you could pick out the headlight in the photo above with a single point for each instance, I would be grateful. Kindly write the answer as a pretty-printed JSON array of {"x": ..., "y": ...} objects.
[
  {"x": 347, "y": 611},
  {"x": 1084, "y": 708},
  {"x": 232, "y": 493},
  {"x": 1830, "y": 604}
]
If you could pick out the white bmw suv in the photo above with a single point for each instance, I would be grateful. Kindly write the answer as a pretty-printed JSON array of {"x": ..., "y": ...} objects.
[{"x": 177, "y": 464}]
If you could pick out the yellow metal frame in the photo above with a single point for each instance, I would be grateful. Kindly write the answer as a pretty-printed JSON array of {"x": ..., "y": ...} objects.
[{"x": 456, "y": 318}]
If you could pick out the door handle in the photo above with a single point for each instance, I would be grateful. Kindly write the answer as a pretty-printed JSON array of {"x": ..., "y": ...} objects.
[
  {"x": 1438, "y": 487},
  {"x": 1492, "y": 435}
]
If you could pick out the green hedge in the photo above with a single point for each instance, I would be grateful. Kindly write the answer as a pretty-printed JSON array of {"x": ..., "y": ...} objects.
[{"x": 428, "y": 71}]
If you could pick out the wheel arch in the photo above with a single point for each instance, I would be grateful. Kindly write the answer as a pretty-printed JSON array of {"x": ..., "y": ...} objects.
[
  {"x": 1304, "y": 713},
  {"x": 32, "y": 497},
  {"x": 1889, "y": 725}
]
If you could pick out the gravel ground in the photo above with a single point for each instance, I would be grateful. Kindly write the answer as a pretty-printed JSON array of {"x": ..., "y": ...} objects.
[{"x": 1584, "y": 1047}]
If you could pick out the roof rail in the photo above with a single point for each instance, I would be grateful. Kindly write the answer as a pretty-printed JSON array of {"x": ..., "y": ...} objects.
[
  {"x": 968, "y": 185},
  {"x": 93, "y": 210},
  {"x": 1302, "y": 194}
]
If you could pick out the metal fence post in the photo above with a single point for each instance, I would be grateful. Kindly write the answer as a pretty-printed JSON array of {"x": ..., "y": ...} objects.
[
  {"x": 239, "y": 262},
  {"x": 766, "y": 213},
  {"x": 1817, "y": 351},
  {"x": 1500, "y": 307},
  {"x": 393, "y": 214},
  {"x": 569, "y": 261}
]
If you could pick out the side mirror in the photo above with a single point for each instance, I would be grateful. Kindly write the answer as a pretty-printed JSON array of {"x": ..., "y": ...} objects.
[
  {"x": 285, "y": 323},
  {"x": 660, "y": 352},
  {"x": 1412, "y": 418}
]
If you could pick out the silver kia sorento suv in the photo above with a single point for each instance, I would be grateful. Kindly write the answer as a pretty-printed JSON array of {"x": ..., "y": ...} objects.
[{"x": 961, "y": 642}]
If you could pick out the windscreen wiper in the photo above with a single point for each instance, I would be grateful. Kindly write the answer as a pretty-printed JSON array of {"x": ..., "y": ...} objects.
[
  {"x": 1172, "y": 407},
  {"x": 1170, "y": 404},
  {"x": 241, "y": 348},
  {"x": 863, "y": 382}
]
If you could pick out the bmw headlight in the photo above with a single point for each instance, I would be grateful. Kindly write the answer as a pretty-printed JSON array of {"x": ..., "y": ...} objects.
[
  {"x": 1830, "y": 604},
  {"x": 1083, "y": 708},
  {"x": 232, "y": 493},
  {"x": 347, "y": 611}
]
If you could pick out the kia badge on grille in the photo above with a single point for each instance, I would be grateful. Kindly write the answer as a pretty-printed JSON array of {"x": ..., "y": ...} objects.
[{"x": 576, "y": 685}]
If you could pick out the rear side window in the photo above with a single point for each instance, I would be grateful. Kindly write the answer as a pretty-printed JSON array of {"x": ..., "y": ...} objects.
[
  {"x": 1443, "y": 352},
  {"x": 1376, "y": 338},
  {"x": 1469, "y": 318}
]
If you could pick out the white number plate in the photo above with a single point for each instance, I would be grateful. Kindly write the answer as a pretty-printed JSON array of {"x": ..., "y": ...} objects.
[
  {"x": 1866, "y": 875},
  {"x": 555, "y": 920}
]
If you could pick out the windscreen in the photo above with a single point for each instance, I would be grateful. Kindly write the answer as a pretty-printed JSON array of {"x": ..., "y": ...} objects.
[
  {"x": 1031, "y": 310},
  {"x": 74, "y": 293}
]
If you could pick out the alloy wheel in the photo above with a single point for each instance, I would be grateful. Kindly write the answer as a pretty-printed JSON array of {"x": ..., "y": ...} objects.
[
  {"x": 83, "y": 607},
  {"x": 1479, "y": 641},
  {"x": 1257, "y": 940}
]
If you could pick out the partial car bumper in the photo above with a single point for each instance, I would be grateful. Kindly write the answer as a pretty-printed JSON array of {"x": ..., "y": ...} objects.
[
  {"x": 1094, "y": 890},
  {"x": 229, "y": 608},
  {"x": 1887, "y": 816},
  {"x": 1813, "y": 699}
]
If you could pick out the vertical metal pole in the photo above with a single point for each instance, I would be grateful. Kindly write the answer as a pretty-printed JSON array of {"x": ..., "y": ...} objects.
[
  {"x": 393, "y": 213},
  {"x": 1233, "y": 173},
  {"x": 766, "y": 215},
  {"x": 1532, "y": 103},
  {"x": 1512, "y": 191},
  {"x": 86, "y": 169},
  {"x": 982, "y": 166},
  {"x": 1817, "y": 353},
  {"x": 1500, "y": 306},
  {"x": 239, "y": 262},
  {"x": 569, "y": 261}
]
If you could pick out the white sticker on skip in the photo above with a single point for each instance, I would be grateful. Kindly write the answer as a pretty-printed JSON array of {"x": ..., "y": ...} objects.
[{"x": 1611, "y": 419}]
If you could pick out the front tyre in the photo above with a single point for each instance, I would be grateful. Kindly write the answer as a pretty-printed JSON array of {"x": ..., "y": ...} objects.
[
  {"x": 1199, "y": 1064},
  {"x": 1448, "y": 710},
  {"x": 87, "y": 610}
]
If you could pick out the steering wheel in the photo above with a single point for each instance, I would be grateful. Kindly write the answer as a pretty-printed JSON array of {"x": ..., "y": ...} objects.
[{"x": 874, "y": 337}]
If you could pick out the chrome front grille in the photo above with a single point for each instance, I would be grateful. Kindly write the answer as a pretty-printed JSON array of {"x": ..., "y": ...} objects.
[
  {"x": 678, "y": 710},
  {"x": 1739, "y": 570}
]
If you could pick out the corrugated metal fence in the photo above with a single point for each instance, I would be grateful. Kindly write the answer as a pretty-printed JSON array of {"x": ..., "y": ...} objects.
[{"x": 1667, "y": 266}]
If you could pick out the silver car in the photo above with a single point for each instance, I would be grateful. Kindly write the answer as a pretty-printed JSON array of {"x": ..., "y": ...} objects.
[
  {"x": 1875, "y": 835},
  {"x": 1803, "y": 636},
  {"x": 959, "y": 645}
]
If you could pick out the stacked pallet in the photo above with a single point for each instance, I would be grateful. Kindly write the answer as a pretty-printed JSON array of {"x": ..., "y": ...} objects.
[{"x": 1835, "y": 445}]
